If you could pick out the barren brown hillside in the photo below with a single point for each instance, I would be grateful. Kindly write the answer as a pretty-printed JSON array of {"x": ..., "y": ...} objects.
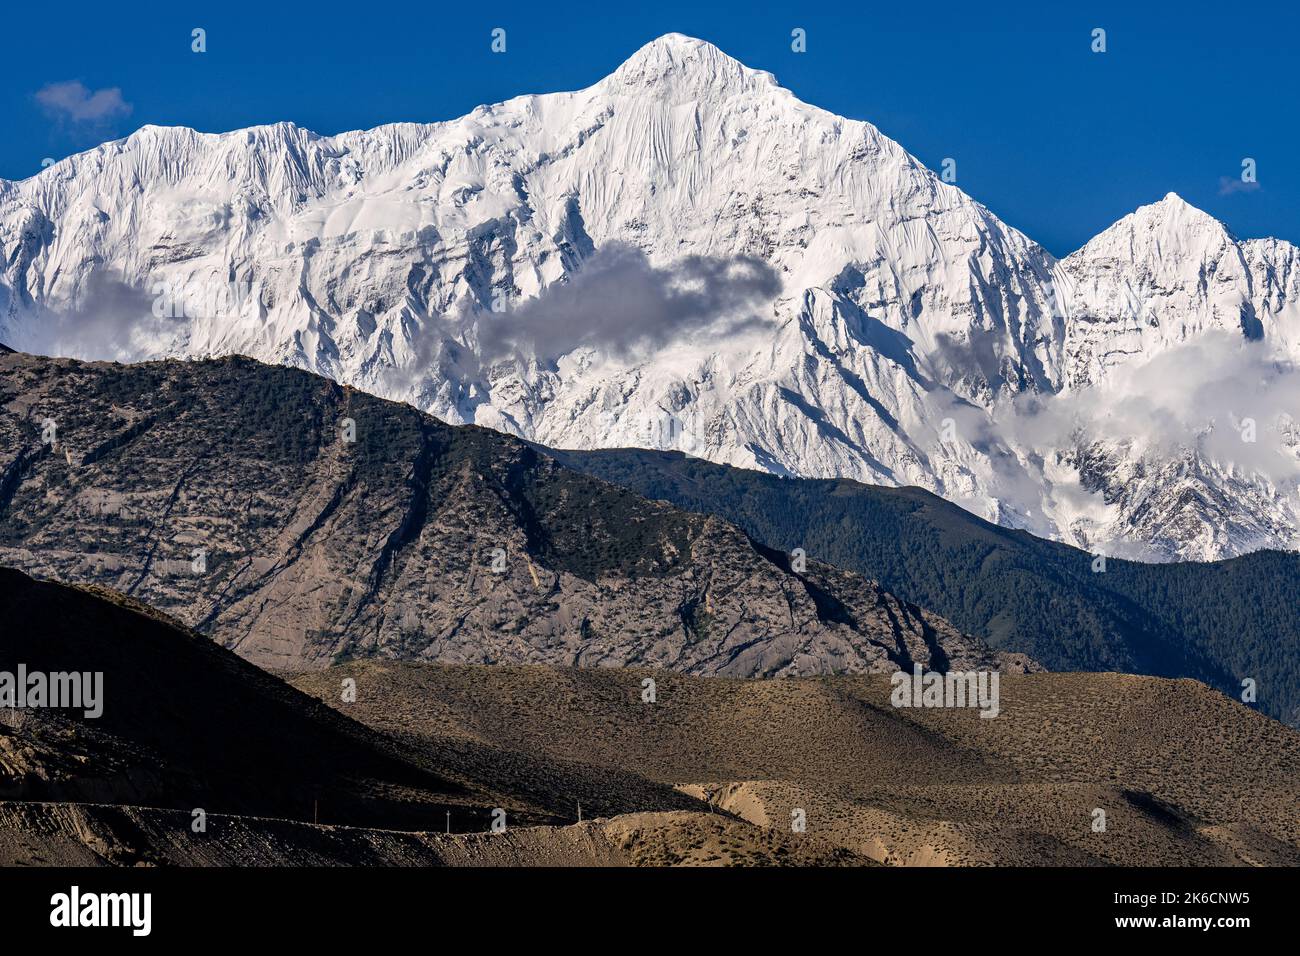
[{"x": 1183, "y": 774}]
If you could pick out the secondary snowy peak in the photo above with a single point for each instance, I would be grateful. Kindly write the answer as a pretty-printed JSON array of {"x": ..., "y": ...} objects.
[
  {"x": 1172, "y": 207},
  {"x": 1163, "y": 234},
  {"x": 1180, "y": 351},
  {"x": 1164, "y": 275}
]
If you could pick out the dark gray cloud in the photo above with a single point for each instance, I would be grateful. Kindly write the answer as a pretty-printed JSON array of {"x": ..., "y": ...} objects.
[{"x": 620, "y": 303}]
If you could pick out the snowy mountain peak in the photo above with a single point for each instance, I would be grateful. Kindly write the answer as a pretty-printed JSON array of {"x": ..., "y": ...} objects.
[
  {"x": 1171, "y": 200},
  {"x": 1163, "y": 277},
  {"x": 1176, "y": 212},
  {"x": 1166, "y": 247},
  {"x": 675, "y": 59},
  {"x": 1155, "y": 225}
]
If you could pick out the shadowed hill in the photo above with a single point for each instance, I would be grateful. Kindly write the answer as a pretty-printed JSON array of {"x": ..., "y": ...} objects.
[
  {"x": 1218, "y": 622},
  {"x": 186, "y": 724}
]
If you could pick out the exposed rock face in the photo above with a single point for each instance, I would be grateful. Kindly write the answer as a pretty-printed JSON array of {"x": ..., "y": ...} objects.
[
  {"x": 228, "y": 494},
  {"x": 1219, "y": 622}
]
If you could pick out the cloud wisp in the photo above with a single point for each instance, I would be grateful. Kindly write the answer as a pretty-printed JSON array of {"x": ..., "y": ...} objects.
[
  {"x": 71, "y": 102},
  {"x": 1229, "y": 185}
]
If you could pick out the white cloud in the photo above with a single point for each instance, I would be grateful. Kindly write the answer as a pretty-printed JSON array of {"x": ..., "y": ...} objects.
[
  {"x": 72, "y": 101},
  {"x": 1196, "y": 396},
  {"x": 1229, "y": 185}
]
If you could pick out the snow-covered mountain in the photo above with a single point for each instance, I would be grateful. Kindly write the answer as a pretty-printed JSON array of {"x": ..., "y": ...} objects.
[
  {"x": 1167, "y": 274},
  {"x": 686, "y": 256}
]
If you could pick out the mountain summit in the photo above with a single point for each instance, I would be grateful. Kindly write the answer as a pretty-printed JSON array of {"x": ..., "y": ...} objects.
[
  {"x": 677, "y": 60},
  {"x": 682, "y": 255}
]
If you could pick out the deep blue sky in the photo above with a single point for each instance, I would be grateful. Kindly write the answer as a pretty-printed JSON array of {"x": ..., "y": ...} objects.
[{"x": 1057, "y": 140}]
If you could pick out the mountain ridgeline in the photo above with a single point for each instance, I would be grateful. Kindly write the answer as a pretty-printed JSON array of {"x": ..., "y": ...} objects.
[
  {"x": 302, "y": 523},
  {"x": 1221, "y": 622}
]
